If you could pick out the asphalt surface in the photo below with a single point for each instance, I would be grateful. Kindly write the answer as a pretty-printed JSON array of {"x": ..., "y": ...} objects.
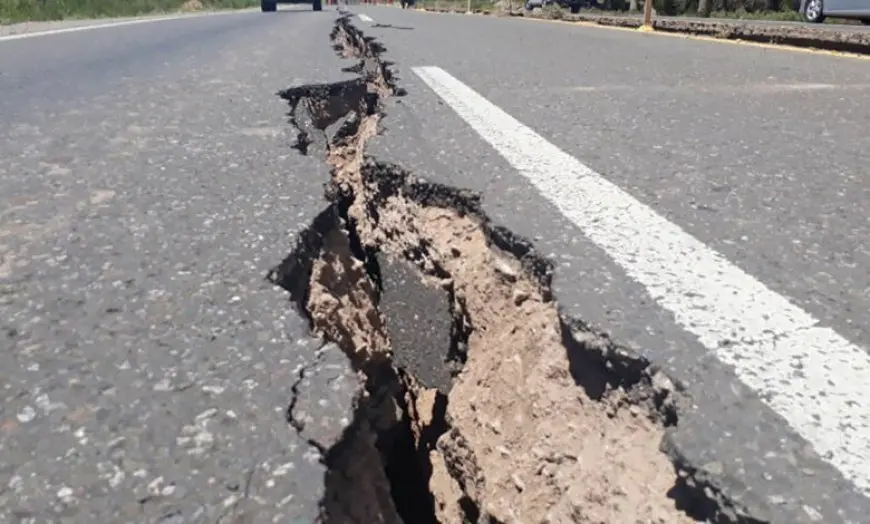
[{"x": 148, "y": 186}]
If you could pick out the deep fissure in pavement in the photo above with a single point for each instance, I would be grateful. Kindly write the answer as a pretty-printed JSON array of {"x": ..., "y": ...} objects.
[{"x": 480, "y": 401}]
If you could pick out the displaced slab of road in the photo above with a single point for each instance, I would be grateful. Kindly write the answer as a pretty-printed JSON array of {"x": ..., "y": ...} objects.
[{"x": 151, "y": 371}]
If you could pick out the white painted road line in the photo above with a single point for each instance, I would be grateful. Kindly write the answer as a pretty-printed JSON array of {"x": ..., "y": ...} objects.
[
  {"x": 365, "y": 18},
  {"x": 120, "y": 23},
  {"x": 813, "y": 377}
]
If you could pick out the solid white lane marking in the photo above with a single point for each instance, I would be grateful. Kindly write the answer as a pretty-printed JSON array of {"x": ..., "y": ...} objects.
[
  {"x": 121, "y": 23},
  {"x": 813, "y": 377},
  {"x": 365, "y": 18}
]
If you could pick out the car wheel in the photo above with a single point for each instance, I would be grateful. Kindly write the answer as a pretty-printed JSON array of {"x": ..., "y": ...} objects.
[
  {"x": 814, "y": 11},
  {"x": 318, "y": 5},
  {"x": 268, "y": 7}
]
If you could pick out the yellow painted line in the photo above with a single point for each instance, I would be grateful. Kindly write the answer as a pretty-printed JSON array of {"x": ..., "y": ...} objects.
[{"x": 687, "y": 36}]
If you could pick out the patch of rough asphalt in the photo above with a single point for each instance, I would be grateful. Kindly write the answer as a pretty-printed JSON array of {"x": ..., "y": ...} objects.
[{"x": 480, "y": 401}]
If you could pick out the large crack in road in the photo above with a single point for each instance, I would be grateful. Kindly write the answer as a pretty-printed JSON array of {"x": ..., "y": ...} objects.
[{"x": 478, "y": 402}]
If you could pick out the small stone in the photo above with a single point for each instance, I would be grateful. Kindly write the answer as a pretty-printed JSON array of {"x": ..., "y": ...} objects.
[
  {"x": 154, "y": 487},
  {"x": 16, "y": 483},
  {"x": 776, "y": 500},
  {"x": 213, "y": 390},
  {"x": 283, "y": 469},
  {"x": 518, "y": 482},
  {"x": 65, "y": 494},
  {"x": 205, "y": 415},
  {"x": 162, "y": 385},
  {"x": 27, "y": 414},
  {"x": 520, "y": 296},
  {"x": 715, "y": 467},
  {"x": 813, "y": 513},
  {"x": 505, "y": 270},
  {"x": 662, "y": 382},
  {"x": 117, "y": 479}
]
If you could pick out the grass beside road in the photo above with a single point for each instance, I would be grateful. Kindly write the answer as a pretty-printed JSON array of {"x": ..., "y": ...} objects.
[{"x": 12, "y": 11}]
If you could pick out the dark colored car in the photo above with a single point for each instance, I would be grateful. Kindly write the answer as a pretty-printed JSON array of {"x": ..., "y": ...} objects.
[{"x": 268, "y": 6}]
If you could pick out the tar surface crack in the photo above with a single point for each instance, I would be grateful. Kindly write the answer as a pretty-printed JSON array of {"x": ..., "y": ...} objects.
[{"x": 479, "y": 401}]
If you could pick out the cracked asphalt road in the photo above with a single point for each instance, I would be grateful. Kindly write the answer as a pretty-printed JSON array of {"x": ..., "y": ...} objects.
[{"x": 148, "y": 185}]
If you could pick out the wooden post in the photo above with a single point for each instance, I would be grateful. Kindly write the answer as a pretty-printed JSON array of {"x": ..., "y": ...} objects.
[{"x": 647, "y": 15}]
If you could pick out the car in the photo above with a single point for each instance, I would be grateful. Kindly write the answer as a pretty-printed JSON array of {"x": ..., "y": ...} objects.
[
  {"x": 815, "y": 11},
  {"x": 270, "y": 6}
]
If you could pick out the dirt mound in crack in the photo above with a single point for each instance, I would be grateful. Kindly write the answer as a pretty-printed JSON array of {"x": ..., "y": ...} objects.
[
  {"x": 543, "y": 420},
  {"x": 526, "y": 442},
  {"x": 544, "y": 450}
]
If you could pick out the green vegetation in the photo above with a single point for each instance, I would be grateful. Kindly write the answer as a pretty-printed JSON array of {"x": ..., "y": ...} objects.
[{"x": 26, "y": 10}]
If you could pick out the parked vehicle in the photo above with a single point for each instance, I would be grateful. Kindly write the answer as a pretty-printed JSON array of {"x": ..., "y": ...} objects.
[{"x": 815, "y": 11}]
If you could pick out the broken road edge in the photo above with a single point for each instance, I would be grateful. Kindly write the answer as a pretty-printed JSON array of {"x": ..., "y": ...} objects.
[{"x": 418, "y": 446}]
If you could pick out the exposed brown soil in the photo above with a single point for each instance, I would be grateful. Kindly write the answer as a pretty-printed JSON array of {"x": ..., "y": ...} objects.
[
  {"x": 541, "y": 449},
  {"x": 546, "y": 422}
]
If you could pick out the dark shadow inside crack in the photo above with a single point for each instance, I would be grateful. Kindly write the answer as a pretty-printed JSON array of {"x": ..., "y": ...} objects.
[
  {"x": 596, "y": 364},
  {"x": 700, "y": 499},
  {"x": 324, "y": 114},
  {"x": 294, "y": 272},
  {"x": 407, "y": 464},
  {"x": 375, "y": 472}
]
